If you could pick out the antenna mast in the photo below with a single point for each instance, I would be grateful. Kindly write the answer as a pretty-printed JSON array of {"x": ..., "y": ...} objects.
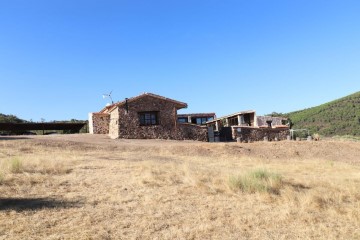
[{"x": 108, "y": 96}]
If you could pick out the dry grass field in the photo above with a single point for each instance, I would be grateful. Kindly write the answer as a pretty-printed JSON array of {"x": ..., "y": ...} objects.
[{"x": 91, "y": 187}]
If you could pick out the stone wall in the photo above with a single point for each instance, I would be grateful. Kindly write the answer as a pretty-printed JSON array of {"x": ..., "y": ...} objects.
[
  {"x": 129, "y": 123},
  {"x": 258, "y": 134},
  {"x": 192, "y": 132},
  {"x": 261, "y": 120},
  {"x": 125, "y": 123},
  {"x": 100, "y": 123}
]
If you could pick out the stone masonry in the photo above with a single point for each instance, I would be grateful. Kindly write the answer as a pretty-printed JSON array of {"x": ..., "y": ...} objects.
[
  {"x": 129, "y": 122},
  {"x": 258, "y": 134},
  {"x": 99, "y": 123},
  {"x": 125, "y": 121},
  {"x": 188, "y": 131},
  {"x": 275, "y": 121}
]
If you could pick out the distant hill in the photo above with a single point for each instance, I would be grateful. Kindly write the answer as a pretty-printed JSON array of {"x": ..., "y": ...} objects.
[
  {"x": 339, "y": 117},
  {"x": 10, "y": 119}
]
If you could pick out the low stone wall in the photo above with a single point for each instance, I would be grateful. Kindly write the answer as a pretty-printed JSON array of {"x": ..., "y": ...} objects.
[
  {"x": 192, "y": 132},
  {"x": 258, "y": 134},
  {"x": 100, "y": 123},
  {"x": 183, "y": 131}
]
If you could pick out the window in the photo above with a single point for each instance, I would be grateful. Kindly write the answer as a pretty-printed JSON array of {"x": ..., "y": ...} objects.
[
  {"x": 182, "y": 120},
  {"x": 148, "y": 118},
  {"x": 201, "y": 120},
  {"x": 269, "y": 123},
  {"x": 233, "y": 121}
]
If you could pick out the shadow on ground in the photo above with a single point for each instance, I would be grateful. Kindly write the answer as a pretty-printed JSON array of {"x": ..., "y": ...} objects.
[
  {"x": 30, "y": 204},
  {"x": 13, "y": 138}
]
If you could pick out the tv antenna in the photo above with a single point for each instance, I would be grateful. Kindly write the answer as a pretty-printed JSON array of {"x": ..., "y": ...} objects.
[{"x": 108, "y": 95}]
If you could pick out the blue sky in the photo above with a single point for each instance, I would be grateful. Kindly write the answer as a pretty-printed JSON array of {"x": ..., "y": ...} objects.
[{"x": 58, "y": 57}]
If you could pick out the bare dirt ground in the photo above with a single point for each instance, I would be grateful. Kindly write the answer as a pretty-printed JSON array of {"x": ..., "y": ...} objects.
[{"x": 92, "y": 187}]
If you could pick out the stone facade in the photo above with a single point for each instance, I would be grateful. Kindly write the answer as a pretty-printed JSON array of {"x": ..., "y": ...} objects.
[
  {"x": 275, "y": 121},
  {"x": 126, "y": 120},
  {"x": 188, "y": 131},
  {"x": 129, "y": 121},
  {"x": 99, "y": 123},
  {"x": 258, "y": 134}
]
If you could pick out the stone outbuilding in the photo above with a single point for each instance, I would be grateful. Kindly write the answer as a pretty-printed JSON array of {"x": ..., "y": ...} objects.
[
  {"x": 147, "y": 116},
  {"x": 249, "y": 127}
]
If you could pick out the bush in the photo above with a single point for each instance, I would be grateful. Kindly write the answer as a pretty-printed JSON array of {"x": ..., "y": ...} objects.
[
  {"x": 1, "y": 177},
  {"x": 259, "y": 180},
  {"x": 316, "y": 136},
  {"x": 16, "y": 165}
]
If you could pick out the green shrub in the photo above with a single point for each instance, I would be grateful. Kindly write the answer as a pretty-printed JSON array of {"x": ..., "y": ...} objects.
[
  {"x": 16, "y": 165},
  {"x": 1, "y": 177},
  {"x": 259, "y": 180}
]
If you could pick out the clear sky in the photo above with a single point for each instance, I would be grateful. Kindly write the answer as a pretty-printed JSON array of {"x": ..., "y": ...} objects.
[{"x": 58, "y": 57}]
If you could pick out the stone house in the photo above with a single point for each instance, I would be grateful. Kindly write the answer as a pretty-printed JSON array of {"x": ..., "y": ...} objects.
[{"x": 147, "y": 116}]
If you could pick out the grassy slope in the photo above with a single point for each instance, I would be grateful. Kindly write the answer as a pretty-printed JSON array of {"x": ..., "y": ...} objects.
[
  {"x": 10, "y": 119},
  {"x": 339, "y": 117}
]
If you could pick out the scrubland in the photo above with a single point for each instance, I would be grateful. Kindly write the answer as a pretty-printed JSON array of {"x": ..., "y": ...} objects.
[{"x": 91, "y": 187}]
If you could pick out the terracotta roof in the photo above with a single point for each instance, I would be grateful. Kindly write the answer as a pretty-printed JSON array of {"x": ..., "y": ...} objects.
[
  {"x": 105, "y": 109},
  {"x": 113, "y": 106}
]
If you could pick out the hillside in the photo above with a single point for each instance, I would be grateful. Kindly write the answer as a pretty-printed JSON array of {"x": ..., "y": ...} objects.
[
  {"x": 339, "y": 117},
  {"x": 10, "y": 119}
]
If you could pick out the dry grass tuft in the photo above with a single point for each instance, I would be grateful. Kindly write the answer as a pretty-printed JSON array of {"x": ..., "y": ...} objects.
[
  {"x": 2, "y": 177},
  {"x": 316, "y": 136},
  {"x": 16, "y": 165},
  {"x": 51, "y": 167},
  {"x": 259, "y": 180}
]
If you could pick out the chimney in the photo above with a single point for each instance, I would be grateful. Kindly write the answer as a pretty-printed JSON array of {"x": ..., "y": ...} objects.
[{"x": 126, "y": 105}]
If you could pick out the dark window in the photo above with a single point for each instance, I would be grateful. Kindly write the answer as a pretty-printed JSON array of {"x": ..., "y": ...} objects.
[
  {"x": 182, "y": 120},
  {"x": 148, "y": 118},
  {"x": 269, "y": 123},
  {"x": 233, "y": 121},
  {"x": 247, "y": 119},
  {"x": 201, "y": 121}
]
